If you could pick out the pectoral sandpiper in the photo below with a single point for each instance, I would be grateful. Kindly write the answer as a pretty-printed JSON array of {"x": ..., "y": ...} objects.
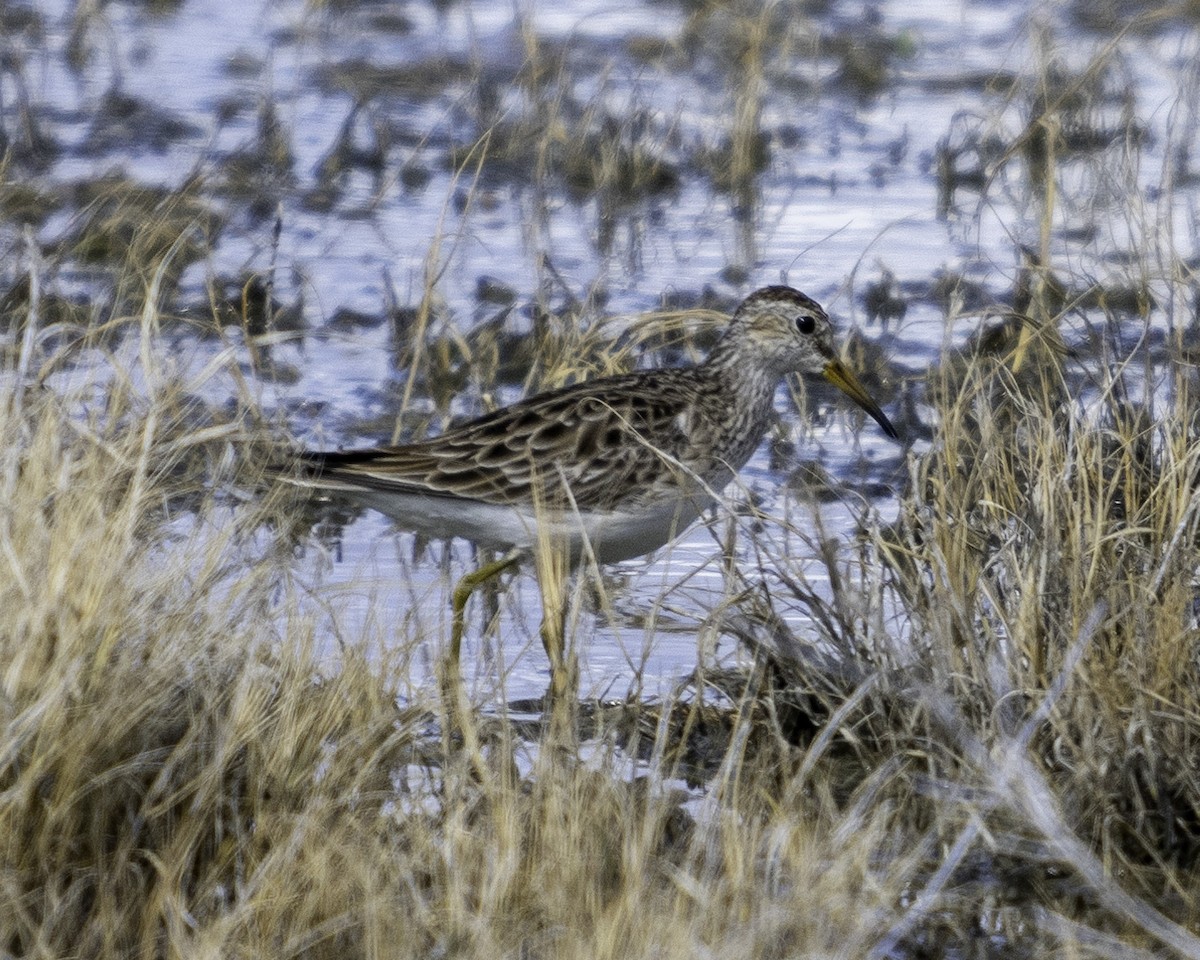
[{"x": 612, "y": 468}]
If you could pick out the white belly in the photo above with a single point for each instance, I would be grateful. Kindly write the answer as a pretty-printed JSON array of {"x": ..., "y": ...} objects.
[{"x": 610, "y": 536}]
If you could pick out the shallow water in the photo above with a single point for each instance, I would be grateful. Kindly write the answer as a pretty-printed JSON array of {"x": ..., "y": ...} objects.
[{"x": 850, "y": 191}]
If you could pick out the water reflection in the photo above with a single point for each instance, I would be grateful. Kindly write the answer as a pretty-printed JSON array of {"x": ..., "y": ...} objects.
[{"x": 357, "y": 186}]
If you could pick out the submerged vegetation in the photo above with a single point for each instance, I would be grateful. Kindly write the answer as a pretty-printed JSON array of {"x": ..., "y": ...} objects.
[{"x": 970, "y": 728}]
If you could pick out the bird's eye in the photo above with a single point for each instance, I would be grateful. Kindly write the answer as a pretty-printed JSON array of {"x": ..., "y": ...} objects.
[{"x": 805, "y": 324}]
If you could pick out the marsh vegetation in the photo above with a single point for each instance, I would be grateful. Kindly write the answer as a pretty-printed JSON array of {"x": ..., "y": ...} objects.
[{"x": 954, "y": 708}]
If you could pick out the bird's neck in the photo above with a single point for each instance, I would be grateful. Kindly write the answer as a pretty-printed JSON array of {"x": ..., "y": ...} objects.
[
  {"x": 736, "y": 383},
  {"x": 742, "y": 381}
]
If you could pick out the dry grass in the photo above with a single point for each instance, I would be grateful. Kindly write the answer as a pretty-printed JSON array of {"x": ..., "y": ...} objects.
[
  {"x": 181, "y": 775},
  {"x": 987, "y": 745}
]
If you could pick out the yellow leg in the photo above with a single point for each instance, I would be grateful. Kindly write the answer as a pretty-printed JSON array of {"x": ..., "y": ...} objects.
[
  {"x": 562, "y": 679},
  {"x": 458, "y": 604},
  {"x": 457, "y": 718}
]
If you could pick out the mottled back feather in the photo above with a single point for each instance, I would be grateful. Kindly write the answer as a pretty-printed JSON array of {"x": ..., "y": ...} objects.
[{"x": 575, "y": 435}]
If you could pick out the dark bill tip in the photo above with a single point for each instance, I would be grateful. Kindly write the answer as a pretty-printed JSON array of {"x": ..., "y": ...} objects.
[{"x": 840, "y": 376}]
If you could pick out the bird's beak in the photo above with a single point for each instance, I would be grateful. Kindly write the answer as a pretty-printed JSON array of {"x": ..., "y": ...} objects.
[{"x": 840, "y": 376}]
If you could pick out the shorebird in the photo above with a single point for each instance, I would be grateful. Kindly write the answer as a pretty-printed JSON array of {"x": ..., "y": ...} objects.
[{"x": 610, "y": 468}]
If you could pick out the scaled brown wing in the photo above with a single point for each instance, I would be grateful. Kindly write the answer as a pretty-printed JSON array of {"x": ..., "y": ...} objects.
[{"x": 578, "y": 435}]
